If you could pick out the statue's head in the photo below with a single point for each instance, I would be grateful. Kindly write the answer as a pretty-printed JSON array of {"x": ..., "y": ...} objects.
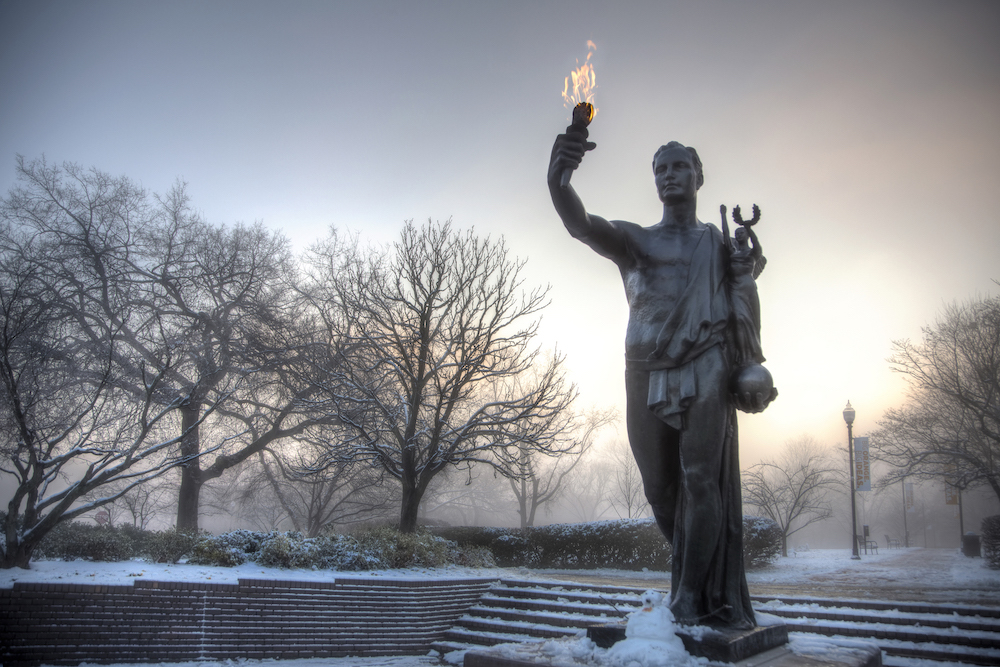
[{"x": 695, "y": 160}]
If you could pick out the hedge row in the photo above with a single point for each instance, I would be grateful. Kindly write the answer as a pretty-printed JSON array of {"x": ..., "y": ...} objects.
[
  {"x": 73, "y": 539},
  {"x": 632, "y": 544},
  {"x": 628, "y": 545},
  {"x": 378, "y": 548}
]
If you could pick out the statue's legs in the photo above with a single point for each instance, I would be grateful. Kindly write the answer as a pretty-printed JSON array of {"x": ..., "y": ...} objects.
[
  {"x": 656, "y": 448},
  {"x": 681, "y": 476}
]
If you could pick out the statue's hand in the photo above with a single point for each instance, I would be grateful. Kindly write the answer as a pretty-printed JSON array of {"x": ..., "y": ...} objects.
[
  {"x": 753, "y": 403},
  {"x": 568, "y": 152}
]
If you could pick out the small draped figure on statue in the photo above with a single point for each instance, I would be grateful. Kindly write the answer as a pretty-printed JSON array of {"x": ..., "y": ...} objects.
[{"x": 751, "y": 383}]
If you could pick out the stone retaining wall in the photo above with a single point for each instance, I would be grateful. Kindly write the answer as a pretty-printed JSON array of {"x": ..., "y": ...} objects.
[{"x": 65, "y": 624}]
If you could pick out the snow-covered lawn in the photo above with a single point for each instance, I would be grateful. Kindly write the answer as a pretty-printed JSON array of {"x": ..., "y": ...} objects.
[
  {"x": 928, "y": 570},
  {"x": 923, "y": 568}
]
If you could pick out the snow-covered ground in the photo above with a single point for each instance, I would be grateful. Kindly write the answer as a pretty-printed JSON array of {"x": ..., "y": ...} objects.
[
  {"x": 829, "y": 570},
  {"x": 927, "y": 569}
]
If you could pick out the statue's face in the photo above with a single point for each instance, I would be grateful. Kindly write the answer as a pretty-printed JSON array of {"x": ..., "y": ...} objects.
[{"x": 676, "y": 178}]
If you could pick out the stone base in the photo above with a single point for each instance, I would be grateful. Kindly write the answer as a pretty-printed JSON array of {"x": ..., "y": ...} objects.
[
  {"x": 722, "y": 645},
  {"x": 816, "y": 653}
]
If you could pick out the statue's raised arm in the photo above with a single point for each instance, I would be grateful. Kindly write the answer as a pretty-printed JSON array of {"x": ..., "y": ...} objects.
[{"x": 567, "y": 154}]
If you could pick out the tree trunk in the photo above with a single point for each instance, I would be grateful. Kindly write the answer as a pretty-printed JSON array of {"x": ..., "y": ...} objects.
[
  {"x": 18, "y": 556},
  {"x": 784, "y": 546},
  {"x": 188, "y": 497},
  {"x": 533, "y": 502},
  {"x": 191, "y": 480},
  {"x": 412, "y": 495},
  {"x": 519, "y": 487}
]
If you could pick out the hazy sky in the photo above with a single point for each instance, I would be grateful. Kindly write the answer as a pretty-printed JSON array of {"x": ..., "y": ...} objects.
[{"x": 868, "y": 133}]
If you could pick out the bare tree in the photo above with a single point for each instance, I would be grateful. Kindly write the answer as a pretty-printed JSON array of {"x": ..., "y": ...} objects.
[
  {"x": 137, "y": 504},
  {"x": 626, "y": 495},
  {"x": 951, "y": 422},
  {"x": 435, "y": 340},
  {"x": 589, "y": 491},
  {"x": 539, "y": 476},
  {"x": 79, "y": 410},
  {"x": 145, "y": 502},
  {"x": 213, "y": 300},
  {"x": 318, "y": 498},
  {"x": 794, "y": 489},
  {"x": 471, "y": 497}
]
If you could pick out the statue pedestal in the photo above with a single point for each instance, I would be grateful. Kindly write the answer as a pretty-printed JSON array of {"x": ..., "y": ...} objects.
[
  {"x": 719, "y": 645},
  {"x": 832, "y": 655},
  {"x": 764, "y": 646}
]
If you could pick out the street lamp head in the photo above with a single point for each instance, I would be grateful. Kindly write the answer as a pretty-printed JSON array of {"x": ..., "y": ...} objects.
[{"x": 849, "y": 414}]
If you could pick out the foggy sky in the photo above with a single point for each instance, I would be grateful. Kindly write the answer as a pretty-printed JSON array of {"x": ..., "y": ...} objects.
[{"x": 867, "y": 132}]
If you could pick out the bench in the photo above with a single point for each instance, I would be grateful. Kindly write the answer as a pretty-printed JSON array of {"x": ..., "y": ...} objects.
[
  {"x": 867, "y": 545},
  {"x": 891, "y": 543}
]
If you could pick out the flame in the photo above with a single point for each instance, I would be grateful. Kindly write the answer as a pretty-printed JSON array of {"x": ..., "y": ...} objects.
[{"x": 584, "y": 82}]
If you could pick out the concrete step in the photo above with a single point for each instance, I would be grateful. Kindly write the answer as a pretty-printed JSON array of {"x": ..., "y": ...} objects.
[{"x": 521, "y": 611}]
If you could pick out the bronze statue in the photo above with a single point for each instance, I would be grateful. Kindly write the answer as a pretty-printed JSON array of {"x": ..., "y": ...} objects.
[{"x": 692, "y": 357}]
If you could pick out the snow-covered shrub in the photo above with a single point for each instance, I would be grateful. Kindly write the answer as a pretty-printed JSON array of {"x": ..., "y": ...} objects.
[
  {"x": 630, "y": 544},
  {"x": 507, "y": 547},
  {"x": 110, "y": 544},
  {"x": 761, "y": 541},
  {"x": 291, "y": 550},
  {"x": 344, "y": 553},
  {"x": 233, "y": 548},
  {"x": 278, "y": 550},
  {"x": 991, "y": 541},
  {"x": 405, "y": 549},
  {"x": 74, "y": 539},
  {"x": 168, "y": 546},
  {"x": 470, "y": 556},
  {"x": 378, "y": 548},
  {"x": 64, "y": 542},
  {"x": 514, "y": 549}
]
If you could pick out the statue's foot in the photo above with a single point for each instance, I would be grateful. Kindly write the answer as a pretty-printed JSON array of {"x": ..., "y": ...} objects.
[{"x": 684, "y": 612}]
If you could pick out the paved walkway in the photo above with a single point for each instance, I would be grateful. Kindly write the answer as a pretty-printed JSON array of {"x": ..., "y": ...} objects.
[{"x": 905, "y": 575}]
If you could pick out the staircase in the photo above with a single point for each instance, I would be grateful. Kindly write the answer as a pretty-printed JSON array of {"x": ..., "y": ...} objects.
[
  {"x": 523, "y": 611},
  {"x": 66, "y": 624}
]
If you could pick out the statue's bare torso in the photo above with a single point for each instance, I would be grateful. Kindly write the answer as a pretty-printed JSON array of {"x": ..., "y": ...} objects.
[{"x": 654, "y": 264}]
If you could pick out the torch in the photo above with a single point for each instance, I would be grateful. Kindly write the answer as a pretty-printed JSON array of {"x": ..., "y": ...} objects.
[
  {"x": 583, "y": 113},
  {"x": 580, "y": 97}
]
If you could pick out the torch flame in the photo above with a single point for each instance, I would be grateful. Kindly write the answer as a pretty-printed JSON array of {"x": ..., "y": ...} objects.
[{"x": 584, "y": 83}]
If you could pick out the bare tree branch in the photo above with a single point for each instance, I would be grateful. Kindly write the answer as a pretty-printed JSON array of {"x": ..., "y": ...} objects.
[
  {"x": 951, "y": 421},
  {"x": 435, "y": 338}
]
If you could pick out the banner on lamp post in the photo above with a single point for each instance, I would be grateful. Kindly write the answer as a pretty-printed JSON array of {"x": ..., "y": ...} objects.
[
  {"x": 950, "y": 490},
  {"x": 908, "y": 497},
  {"x": 862, "y": 465}
]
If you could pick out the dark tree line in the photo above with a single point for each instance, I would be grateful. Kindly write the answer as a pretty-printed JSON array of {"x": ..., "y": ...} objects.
[{"x": 139, "y": 339}]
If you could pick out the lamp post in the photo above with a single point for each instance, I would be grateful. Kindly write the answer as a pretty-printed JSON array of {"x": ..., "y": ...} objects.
[
  {"x": 849, "y": 418},
  {"x": 906, "y": 531}
]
